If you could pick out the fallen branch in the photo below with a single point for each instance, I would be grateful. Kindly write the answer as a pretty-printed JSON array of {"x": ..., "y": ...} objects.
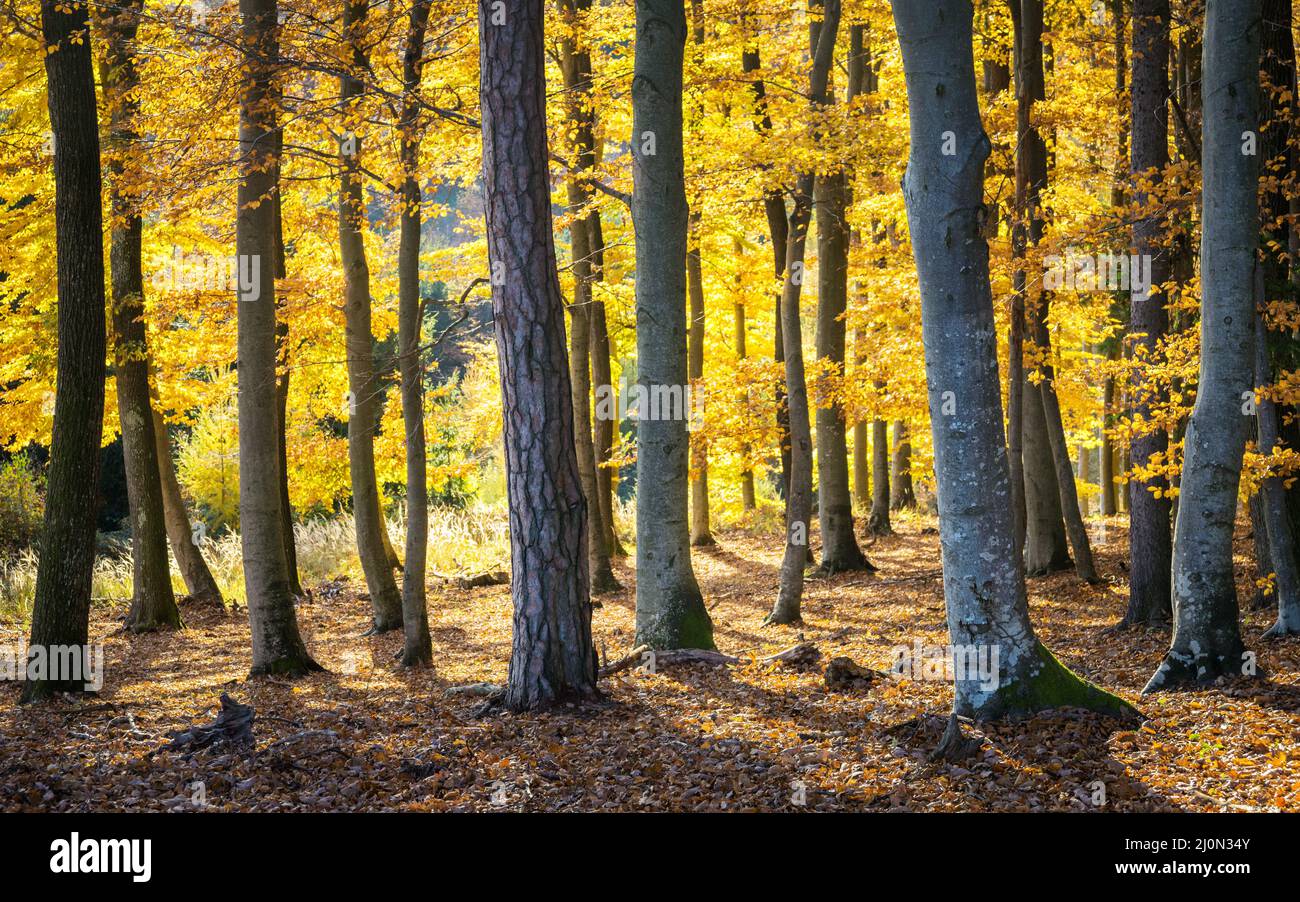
[
  {"x": 798, "y": 654},
  {"x": 476, "y": 689},
  {"x": 233, "y": 726}
]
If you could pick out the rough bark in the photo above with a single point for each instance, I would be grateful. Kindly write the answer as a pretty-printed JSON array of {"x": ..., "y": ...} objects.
[
  {"x": 417, "y": 646},
  {"x": 153, "y": 605},
  {"x": 983, "y": 583},
  {"x": 1150, "y": 548},
  {"x": 1207, "y": 637},
  {"x": 670, "y": 610},
  {"x": 576, "y": 70},
  {"x": 277, "y": 645},
  {"x": 61, "y": 609},
  {"x": 363, "y": 387},
  {"x": 552, "y": 657}
]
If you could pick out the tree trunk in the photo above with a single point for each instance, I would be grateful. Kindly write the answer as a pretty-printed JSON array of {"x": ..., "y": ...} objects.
[
  {"x": 778, "y": 227},
  {"x": 701, "y": 535},
  {"x": 1207, "y": 637},
  {"x": 878, "y": 520},
  {"x": 552, "y": 657},
  {"x": 199, "y": 582},
  {"x": 277, "y": 645},
  {"x": 602, "y": 374},
  {"x": 153, "y": 604},
  {"x": 1150, "y": 551},
  {"x": 747, "y": 499},
  {"x": 1277, "y": 519},
  {"x": 282, "y": 392},
  {"x": 786, "y": 609},
  {"x": 1045, "y": 536},
  {"x": 363, "y": 387},
  {"x": 61, "y": 609},
  {"x": 576, "y": 70},
  {"x": 901, "y": 494},
  {"x": 983, "y": 583},
  {"x": 670, "y": 610},
  {"x": 840, "y": 549},
  {"x": 417, "y": 646}
]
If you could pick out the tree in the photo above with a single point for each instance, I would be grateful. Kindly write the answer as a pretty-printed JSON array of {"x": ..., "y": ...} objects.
[
  {"x": 1207, "y": 637},
  {"x": 417, "y": 647},
  {"x": 1150, "y": 551},
  {"x": 831, "y": 196},
  {"x": 799, "y": 500},
  {"x": 363, "y": 387},
  {"x": 576, "y": 68},
  {"x": 670, "y": 610},
  {"x": 277, "y": 645},
  {"x": 902, "y": 495},
  {"x": 199, "y": 581},
  {"x": 701, "y": 534},
  {"x": 61, "y": 608},
  {"x": 552, "y": 657},
  {"x": 153, "y": 605},
  {"x": 983, "y": 583}
]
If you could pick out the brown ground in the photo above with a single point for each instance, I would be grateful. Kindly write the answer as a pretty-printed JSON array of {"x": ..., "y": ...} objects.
[{"x": 365, "y": 737}]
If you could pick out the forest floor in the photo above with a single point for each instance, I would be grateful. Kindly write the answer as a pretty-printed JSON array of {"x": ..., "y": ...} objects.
[{"x": 752, "y": 736}]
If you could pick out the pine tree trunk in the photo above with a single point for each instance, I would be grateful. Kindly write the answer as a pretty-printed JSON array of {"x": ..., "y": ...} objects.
[
  {"x": 153, "y": 605},
  {"x": 417, "y": 646},
  {"x": 984, "y": 585},
  {"x": 670, "y": 610},
  {"x": 552, "y": 657},
  {"x": 1150, "y": 551},
  {"x": 61, "y": 609},
  {"x": 1207, "y": 637},
  {"x": 277, "y": 645},
  {"x": 576, "y": 70},
  {"x": 840, "y": 549},
  {"x": 363, "y": 387}
]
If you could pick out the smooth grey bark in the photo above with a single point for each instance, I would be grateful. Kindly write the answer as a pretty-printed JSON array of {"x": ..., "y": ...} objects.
[
  {"x": 901, "y": 494},
  {"x": 153, "y": 605},
  {"x": 1207, "y": 637},
  {"x": 747, "y": 498},
  {"x": 61, "y": 609},
  {"x": 575, "y": 59},
  {"x": 984, "y": 585},
  {"x": 417, "y": 645},
  {"x": 701, "y": 534},
  {"x": 861, "y": 445},
  {"x": 878, "y": 519},
  {"x": 552, "y": 657},
  {"x": 363, "y": 387},
  {"x": 840, "y": 551},
  {"x": 1150, "y": 548},
  {"x": 1272, "y": 494},
  {"x": 283, "y": 371},
  {"x": 199, "y": 581},
  {"x": 670, "y": 610},
  {"x": 786, "y": 609},
  {"x": 277, "y": 645}
]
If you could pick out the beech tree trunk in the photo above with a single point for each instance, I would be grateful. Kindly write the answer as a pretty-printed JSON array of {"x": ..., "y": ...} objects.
[
  {"x": 799, "y": 500},
  {"x": 363, "y": 387},
  {"x": 701, "y": 534},
  {"x": 1271, "y": 499},
  {"x": 153, "y": 605},
  {"x": 552, "y": 657},
  {"x": 878, "y": 520},
  {"x": 901, "y": 494},
  {"x": 417, "y": 646},
  {"x": 1207, "y": 637},
  {"x": 670, "y": 610},
  {"x": 282, "y": 389},
  {"x": 747, "y": 499},
  {"x": 983, "y": 583},
  {"x": 199, "y": 581},
  {"x": 1150, "y": 549},
  {"x": 831, "y": 197},
  {"x": 61, "y": 609},
  {"x": 277, "y": 645},
  {"x": 576, "y": 70}
]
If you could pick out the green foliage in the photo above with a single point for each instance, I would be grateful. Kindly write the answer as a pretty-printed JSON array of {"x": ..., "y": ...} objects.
[{"x": 22, "y": 504}]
